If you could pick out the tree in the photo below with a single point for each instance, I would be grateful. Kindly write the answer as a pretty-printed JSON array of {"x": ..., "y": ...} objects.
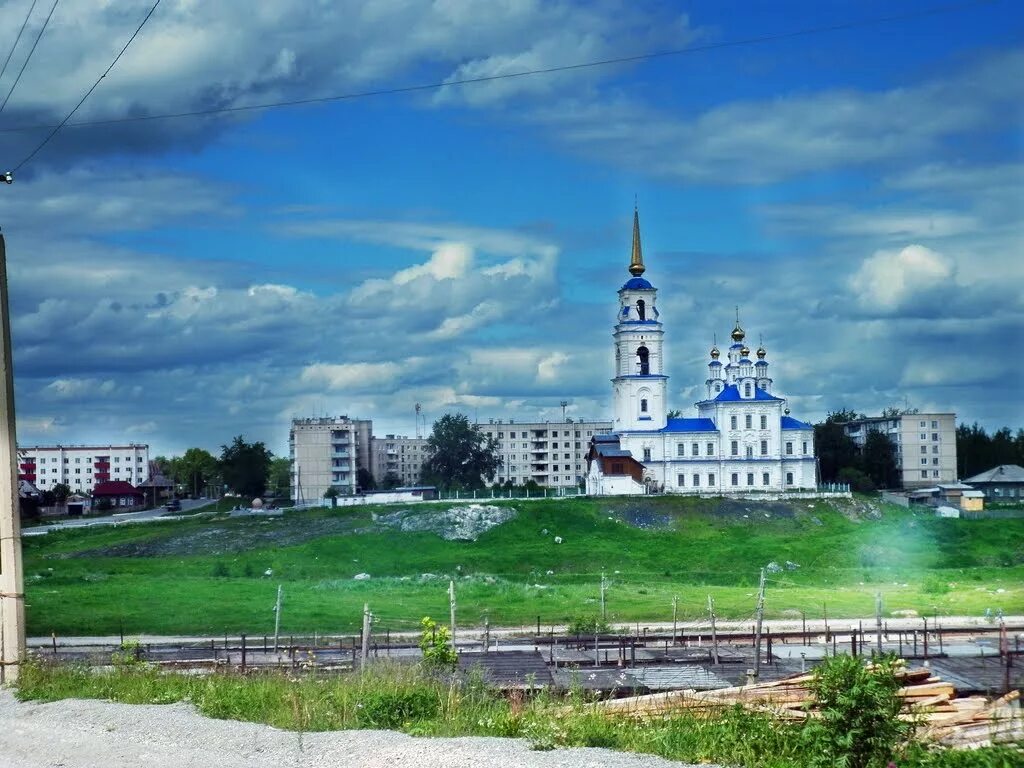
[
  {"x": 391, "y": 480},
  {"x": 833, "y": 447},
  {"x": 194, "y": 470},
  {"x": 61, "y": 491},
  {"x": 674, "y": 414},
  {"x": 459, "y": 455},
  {"x": 332, "y": 493},
  {"x": 280, "y": 477},
  {"x": 364, "y": 480},
  {"x": 245, "y": 466},
  {"x": 878, "y": 460}
]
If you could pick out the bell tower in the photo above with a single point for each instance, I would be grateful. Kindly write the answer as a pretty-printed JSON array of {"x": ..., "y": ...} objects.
[{"x": 640, "y": 383}]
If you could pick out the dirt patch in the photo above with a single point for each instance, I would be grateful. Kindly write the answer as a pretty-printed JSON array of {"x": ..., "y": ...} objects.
[{"x": 661, "y": 513}]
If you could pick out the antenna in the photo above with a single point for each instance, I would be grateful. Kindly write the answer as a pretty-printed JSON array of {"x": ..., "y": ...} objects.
[
  {"x": 417, "y": 421},
  {"x": 563, "y": 403}
]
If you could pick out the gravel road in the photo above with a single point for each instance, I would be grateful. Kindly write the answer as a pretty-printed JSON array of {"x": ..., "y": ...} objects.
[{"x": 77, "y": 733}]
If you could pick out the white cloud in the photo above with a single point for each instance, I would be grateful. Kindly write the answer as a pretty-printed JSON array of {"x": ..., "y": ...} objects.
[
  {"x": 887, "y": 278},
  {"x": 351, "y": 377}
]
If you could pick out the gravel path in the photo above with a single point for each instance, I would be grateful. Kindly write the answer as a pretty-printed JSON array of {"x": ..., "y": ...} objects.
[{"x": 77, "y": 733}]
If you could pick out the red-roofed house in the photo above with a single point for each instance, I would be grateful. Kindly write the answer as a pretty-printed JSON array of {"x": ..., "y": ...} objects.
[{"x": 119, "y": 494}]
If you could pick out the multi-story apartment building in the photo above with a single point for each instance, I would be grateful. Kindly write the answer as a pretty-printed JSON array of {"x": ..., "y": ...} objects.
[
  {"x": 328, "y": 451},
  {"x": 550, "y": 453},
  {"x": 925, "y": 444},
  {"x": 81, "y": 467},
  {"x": 400, "y": 455}
]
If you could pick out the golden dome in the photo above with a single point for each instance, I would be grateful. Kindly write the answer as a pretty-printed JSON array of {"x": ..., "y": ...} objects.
[
  {"x": 745, "y": 351},
  {"x": 715, "y": 353},
  {"x": 761, "y": 353},
  {"x": 737, "y": 333}
]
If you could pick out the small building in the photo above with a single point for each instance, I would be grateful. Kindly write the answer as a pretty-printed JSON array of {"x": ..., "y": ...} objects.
[
  {"x": 122, "y": 496},
  {"x": 972, "y": 501},
  {"x": 157, "y": 486},
  {"x": 612, "y": 471},
  {"x": 1002, "y": 483}
]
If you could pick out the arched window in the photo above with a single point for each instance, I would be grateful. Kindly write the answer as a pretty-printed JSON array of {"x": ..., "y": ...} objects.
[
  {"x": 641, "y": 309},
  {"x": 746, "y": 389},
  {"x": 643, "y": 406},
  {"x": 643, "y": 354}
]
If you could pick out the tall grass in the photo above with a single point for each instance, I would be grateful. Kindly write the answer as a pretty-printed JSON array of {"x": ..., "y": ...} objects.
[{"x": 416, "y": 701}]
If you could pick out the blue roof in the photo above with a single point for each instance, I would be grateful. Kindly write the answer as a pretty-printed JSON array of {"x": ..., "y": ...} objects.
[
  {"x": 788, "y": 422},
  {"x": 732, "y": 393},
  {"x": 737, "y": 345},
  {"x": 761, "y": 362},
  {"x": 637, "y": 283},
  {"x": 714, "y": 362},
  {"x": 690, "y": 425},
  {"x": 745, "y": 360}
]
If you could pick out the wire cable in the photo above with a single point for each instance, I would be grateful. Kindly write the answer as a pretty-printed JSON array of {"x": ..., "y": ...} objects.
[
  {"x": 526, "y": 73},
  {"x": 17, "y": 39},
  {"x": 88, "y": 93},
  {"x": 30, "y": 52}
]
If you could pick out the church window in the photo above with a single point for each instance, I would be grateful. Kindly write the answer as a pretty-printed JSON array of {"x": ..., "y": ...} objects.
[
  {"x": 641, "y": 309},
  {"x": 789, "y": 478},
  {"x": 732, "y": 422},
  {"x": 696, "y": 480},
  {"x": 643, "y": 406},
  {"x": 749, "y": 421},
  {"x": 647, "y": 454},
  {"x": 681, "y": 449},
  {"x": 711, "y": 479},
  {"x": 789, "y": 449},
  {"x": 764, "y": 447},
  {"x": 643, "y": 354},
  {"x": 681, "y": 481},
  {"x": 765, "y": 478},
  {"x": 805, "y": 447},
  {"x": 734, "y": 448},
  {"x": 746, "y": 390},
  {"x": 750, "y": 451},
  {"x": 695, "y": 450},
  {"x": 764, "y": 422},
  {"x": 711, "y": 449},
  {"x": 735, "y": 479},
  {"x": 750, "y": 478}
]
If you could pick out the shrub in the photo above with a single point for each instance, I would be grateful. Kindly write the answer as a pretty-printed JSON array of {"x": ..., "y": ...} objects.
[
  {"x": 856, "y": 479},
  {"x": 588, "y": 625},
  {"x": 393, "y": 709},
  {"x": 220, "y": 569},
  {"x": 859, "y": 725},
  {"x": 435, "y": 642}
]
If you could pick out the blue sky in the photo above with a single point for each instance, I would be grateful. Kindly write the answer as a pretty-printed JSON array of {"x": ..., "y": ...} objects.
[{"x": 858, "y": 192}]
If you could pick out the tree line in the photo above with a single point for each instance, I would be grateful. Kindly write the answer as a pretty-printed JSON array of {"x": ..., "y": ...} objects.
[{"x": 248, "y": 469}]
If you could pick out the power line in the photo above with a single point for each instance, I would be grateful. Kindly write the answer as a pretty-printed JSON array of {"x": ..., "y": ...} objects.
[
  {"x": 30, "y": 52},
  {"x": 63, "y": 122},
  {"x": 17, "y": 39},
  {"x": 937, "y": 10}
]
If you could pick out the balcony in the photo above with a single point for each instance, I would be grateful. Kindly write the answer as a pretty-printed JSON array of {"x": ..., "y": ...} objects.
[
  {"x": 102, "y": 466},
  {"x": 341, "y": 455}
]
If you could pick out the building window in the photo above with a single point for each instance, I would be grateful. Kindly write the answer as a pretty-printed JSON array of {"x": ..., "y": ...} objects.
[
  {"x": 647, "y": 454},
  {"x": 805, "y": 447},
  {"x": 681, "y": 481},
  {"x": 924, "y": 449},
  {"x": 746, "y": 390},
  {"x": 924, "y": 435},
  {"x": 764, "y": 422},
  {"x": 765, "y": 478},
  {"x": 696, "y": 480},
  {"x": 711, "y": 449},
  {"x": 789, "y": 449},
  {"x": 643, "y": 406},
  {"x": 681, "y": 449},
  {"x": 750, "y": 451},
  {"x": 935, "y": 449},
  {"x": 641, "y": 309},
  {"x": 935, "y": 462},
  {"x": 924, "y": 423},
  {"x": 924, "y": 473},
  {"x": 643, "y": 355},
  {"x": 695, "y": 449},
  {"x": 935, "y": 473},
  {"x": 935, "y": 425},
  {"x": 711, "y": 480},
  {"x": 789, "y": 478},
  {"x": 748, "y": 421},
  {"x": 764, "y": 447},
  {"x": 924, "y": 460},
  {"x": 750, "y": 478},
  {"x": 935, "y": 436},
  {"x": 735, "y": 479},
  {"x": 734, "y": 448}
]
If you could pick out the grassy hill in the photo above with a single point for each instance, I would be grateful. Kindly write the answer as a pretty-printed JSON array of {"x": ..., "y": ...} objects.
[{"x": 209, "y": 575}]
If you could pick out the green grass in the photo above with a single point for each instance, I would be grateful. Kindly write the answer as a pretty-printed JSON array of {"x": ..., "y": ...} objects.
[
  {"x": 408, "y": 699},
  {"x": 206, "y": 575}
]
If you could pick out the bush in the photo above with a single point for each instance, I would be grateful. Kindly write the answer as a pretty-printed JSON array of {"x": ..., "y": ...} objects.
[
  {"x": 859, "y": 725},
  {"x": 435, "y": 642},
  {"x": 393, "y": 709},
  {"x": 220, "y": 569},
  {"x": 856, "y": 479},
  {"x": 588, "y": 625}
]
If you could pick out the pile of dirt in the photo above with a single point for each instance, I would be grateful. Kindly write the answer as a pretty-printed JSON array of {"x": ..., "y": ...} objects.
[{"x": 464, "y": 522}]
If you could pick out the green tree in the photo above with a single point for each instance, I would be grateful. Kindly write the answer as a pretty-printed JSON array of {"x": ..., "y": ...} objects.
[
  {"x": 61, "y": 491},
  {"x": 194, "y": 470},
  {"x": 878, "y": 460},
  {"x": 245, "y": 466},
  {"x": 332, "y": 493},
  {"x": 364, "y": 480},
  {"x": 673, "y": 414},
  {"x": 280, "y": 482},
  {"x": 390, "y": 480},
  {"x": 833, "y": 447},
  {"x": 459, "y": 455}
]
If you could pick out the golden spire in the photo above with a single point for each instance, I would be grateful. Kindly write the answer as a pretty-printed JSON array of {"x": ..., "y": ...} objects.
[
  {"x": 636, "y": 264},
  {"x": 737, "y": 332}
]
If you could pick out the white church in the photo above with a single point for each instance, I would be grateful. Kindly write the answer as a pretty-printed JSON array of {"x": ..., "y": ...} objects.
[{"x": 742, "y": 439}]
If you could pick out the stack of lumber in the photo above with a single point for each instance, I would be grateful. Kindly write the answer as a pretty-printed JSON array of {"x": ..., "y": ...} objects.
[{"x": 932, "y": 703}]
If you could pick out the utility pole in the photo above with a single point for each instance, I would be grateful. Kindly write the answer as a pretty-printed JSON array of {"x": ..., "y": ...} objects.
[
  {"x": 366, "y": 635},
  {"x": 12, "y": 593},
  {"x": 604, "y": 586},
  {"x": 675, "y": 618},
  {"x": 714, "y": 633},
  {"x": 277, "y": 615},
  {"x": 451, "y": 607},
  {"x": 878, "y": 620},
  {"x": 757, "y": 634}
]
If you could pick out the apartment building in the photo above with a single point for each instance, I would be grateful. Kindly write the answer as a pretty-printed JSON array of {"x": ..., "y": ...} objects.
[
  {"x": 550, "y": 453},
  {"x": 925, "y": 444},
  {"x": 328, "y": 451},
  {"x": 403, "y": 456},
  {"x": 82, "y": 467}
]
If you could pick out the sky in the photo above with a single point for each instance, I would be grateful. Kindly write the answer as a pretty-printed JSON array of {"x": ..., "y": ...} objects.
[{"x": 855, "y": 187}]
